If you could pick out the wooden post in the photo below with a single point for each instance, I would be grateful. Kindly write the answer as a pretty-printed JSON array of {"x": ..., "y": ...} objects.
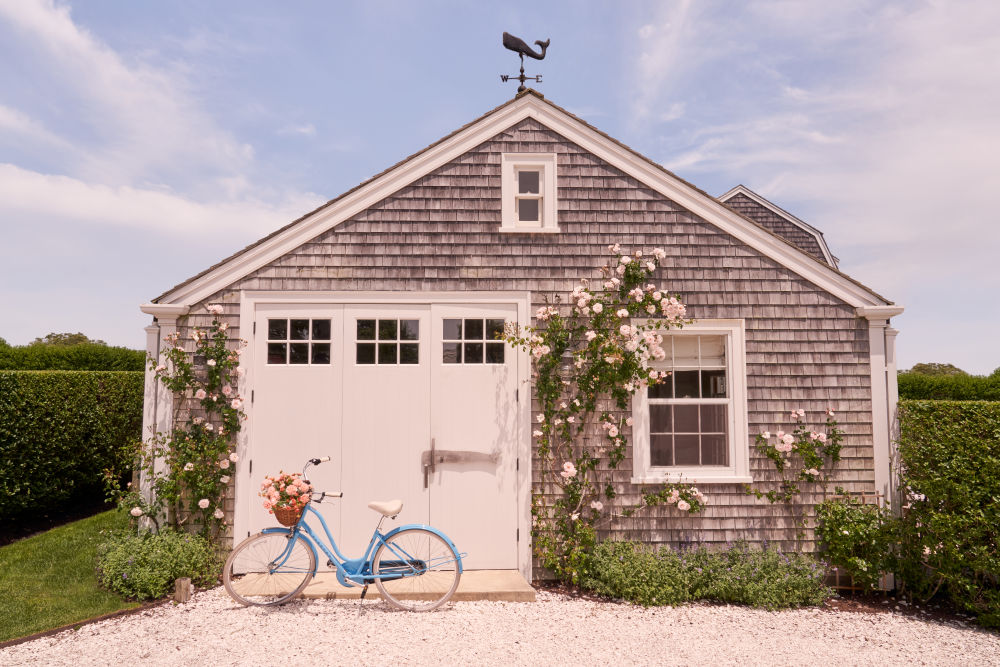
[{"x": 182, "y": 589}]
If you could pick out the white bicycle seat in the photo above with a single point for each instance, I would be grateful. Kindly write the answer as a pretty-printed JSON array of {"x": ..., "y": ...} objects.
[{"x": 387, "y": 507}]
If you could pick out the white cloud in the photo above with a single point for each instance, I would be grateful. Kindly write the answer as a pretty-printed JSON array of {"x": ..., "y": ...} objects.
[
  {"x": 876, "y": 122},
  {"x": 306, "y": 129},
  {"x": 18, "y": 123}
]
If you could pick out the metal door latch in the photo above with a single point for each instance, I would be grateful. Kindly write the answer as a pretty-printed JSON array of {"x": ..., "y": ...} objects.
[{"x": 429, "y": 458}]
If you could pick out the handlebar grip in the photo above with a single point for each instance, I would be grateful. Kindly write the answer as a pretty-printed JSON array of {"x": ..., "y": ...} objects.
[
  {"x": 335, "y": 494},
  {"x": 323, "y": 459}
]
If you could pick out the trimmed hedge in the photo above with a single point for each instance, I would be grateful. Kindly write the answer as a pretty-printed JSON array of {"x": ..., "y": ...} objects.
[
  {"x": 946, "y": 540},
  {"x": 80, "y": 357},
  {"x": 59, "y": 430},
  {"x": 915, "y": 386}
]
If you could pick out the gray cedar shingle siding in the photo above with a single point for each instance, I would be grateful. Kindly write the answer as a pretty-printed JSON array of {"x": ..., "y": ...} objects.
[
  {"x": 805, "y": 348},
  {"x": 770, "y": 220}
]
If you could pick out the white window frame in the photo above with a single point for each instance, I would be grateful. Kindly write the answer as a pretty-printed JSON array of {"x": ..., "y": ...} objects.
[
  {"x": 545, "y": 164},
  {"x": 738, "y": 470}
]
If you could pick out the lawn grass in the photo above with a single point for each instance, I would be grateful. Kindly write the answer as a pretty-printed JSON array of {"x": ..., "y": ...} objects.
[{"x": 48, "y": 580}]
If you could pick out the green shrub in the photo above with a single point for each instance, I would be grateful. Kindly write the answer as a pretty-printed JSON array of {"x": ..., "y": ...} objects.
[
  {"x": 916, "y": 386},
  {"x": 80, "y": 357},
  {"x": 950, "y": 453},
  {"x": 946, "y": 539},
  {"x": 59, "y": 430},
  {"x": 738, "y": 575},
  {"x": 145, "y": 566},
  {"x": 856, "y": 537}
]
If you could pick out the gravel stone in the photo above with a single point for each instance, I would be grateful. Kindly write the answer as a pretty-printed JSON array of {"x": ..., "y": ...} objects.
[{"x": 555, "y": 630}]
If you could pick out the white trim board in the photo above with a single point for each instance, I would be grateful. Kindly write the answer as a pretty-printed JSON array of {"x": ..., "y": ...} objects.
[
  {"x": 777, "y": 210},
  {"x": 573, "y": 129}
]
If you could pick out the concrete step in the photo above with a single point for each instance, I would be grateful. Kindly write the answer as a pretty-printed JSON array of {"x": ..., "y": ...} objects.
[{"x": 507, "y": 585}]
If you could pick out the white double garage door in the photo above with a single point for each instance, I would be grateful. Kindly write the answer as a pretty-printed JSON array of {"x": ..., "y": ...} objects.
[{"x": 414, "y": 401}]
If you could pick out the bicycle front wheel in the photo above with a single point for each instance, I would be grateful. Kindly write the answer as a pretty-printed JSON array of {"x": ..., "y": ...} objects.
[
  {"x": 418, "y": 568},
  {"x": 268, "y": 569}
]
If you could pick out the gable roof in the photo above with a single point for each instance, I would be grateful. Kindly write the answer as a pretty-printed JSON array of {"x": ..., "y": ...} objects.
[
  {"x": 528, "y": 104},
  {"x": 770, "y": 215}
]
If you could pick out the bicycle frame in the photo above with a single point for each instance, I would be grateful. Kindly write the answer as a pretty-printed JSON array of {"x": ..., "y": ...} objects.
[{"x": 352, "y": 571}]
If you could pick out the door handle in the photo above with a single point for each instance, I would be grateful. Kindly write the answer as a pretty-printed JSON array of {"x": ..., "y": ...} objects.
[{"x": 429, "y": 458}]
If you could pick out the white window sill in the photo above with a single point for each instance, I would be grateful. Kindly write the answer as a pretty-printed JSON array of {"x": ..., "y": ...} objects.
[
  {"x": 529, "y": 230},
  {"x": 692, "y": 478}
]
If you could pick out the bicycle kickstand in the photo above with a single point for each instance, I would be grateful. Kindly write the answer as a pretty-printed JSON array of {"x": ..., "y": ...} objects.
[{"x": 361, "y": 600}]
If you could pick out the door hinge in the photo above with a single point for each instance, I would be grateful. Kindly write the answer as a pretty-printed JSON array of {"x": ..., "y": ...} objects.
[
  {"x": 517, "y": 463},
  {"x": 251, "y": 467},
  {"x": 518, "y": 534},
  {"x": 254, "y": 327},
  {"x": 517, "y": 395},
  {"x": 251, "y": 396},
  {"x": 248, "y": 533}
]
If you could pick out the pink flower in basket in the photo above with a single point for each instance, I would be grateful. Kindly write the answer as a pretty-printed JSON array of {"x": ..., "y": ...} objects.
[{"x": 285, "y": 490}]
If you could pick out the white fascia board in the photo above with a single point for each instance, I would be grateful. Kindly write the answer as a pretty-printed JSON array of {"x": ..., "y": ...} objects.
[
  {"x": 878, "y": 312},
  {"x": 777, "y": 210},
  {"x": 168, "y": 311},
  {"x": 571, "y": 128}
]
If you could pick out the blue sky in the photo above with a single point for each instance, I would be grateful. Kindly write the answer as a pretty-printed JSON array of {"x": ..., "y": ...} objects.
[{"x": 142, "y": 142}]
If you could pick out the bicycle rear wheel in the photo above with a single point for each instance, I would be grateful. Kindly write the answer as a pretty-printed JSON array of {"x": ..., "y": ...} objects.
[
  {"x": 268, "y": 569},
  {"x": 421, "y": 570}
]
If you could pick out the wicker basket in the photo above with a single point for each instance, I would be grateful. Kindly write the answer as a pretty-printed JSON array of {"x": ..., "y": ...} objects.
[{"x": 287, "y": 516}]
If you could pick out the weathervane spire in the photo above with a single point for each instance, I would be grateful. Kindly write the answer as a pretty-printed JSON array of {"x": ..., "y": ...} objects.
[{"x": 520, "y": 47}]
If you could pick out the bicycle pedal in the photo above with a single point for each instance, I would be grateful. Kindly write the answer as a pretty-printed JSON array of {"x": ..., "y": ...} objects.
[{"x": 329, "y": 564}]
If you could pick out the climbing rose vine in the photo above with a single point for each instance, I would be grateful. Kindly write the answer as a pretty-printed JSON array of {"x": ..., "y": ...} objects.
[
  {"x": 802, "y": 455},
  {"x": 589, "y": 356},
  {"x": 189, "y": 468}
]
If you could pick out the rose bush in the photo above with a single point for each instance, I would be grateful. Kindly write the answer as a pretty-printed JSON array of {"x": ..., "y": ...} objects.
[{"x": 588, "y": 359}]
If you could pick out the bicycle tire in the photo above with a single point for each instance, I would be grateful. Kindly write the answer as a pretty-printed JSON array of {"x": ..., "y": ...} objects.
[
  {"x": 427, "y": 565},
  {"x": 251, "y": 577}
]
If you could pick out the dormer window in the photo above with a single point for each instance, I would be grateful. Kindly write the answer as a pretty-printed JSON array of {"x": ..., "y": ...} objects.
[{"x": 528, "y": 190}]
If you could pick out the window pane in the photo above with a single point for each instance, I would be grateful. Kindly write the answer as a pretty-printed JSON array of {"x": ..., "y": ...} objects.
[
  {"x": 713, "y": 384},
  {"x": 473, "y": 329},
  {"x": 494, "y": 329},
  {"x": 409, "y": 329},
  {"x": 527, "y": 182},
  {"x": 494, "y": 353},
  {"x": 387, "y": 353},
  {"x": 685, "y": 419},
  {"x": 685, "y": 350},
  {"x": 366, "y": 353},
  {"x": 663, "y": 389},
  {"x": 300, "y": 330},
  {"x": 452, "y": 353},
  {"x": 713, "y": 419},
  {"x": 713, "y": 351},
  {"x": 527, "y": 210},
  {"x": 686, "y": 450},
  {"x": 659, "y": 419},
  {"x": 277, "y": 330},
  {"x": 321, "y": 330},
  {"x": 660, "y": 450},
  {"x": 686, "y": 384},
  {"x": 298, "y": 353},
  {"x": 473, "y": 353},
  {"x": 453, "y": 329},
  {"x": 321, "y": 353},
  {"x": 386, "y": 330},
  {"x": 276, "y": 353},
  {"x": 714, "y": 451},
  {"x": 409, "y": 353},
  {"x": 366, "y": 330}
]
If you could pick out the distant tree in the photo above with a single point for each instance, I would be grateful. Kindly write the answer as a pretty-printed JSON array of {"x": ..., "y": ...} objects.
[
  {"x": 65, "y": 339},
  {"x": 996, "y": 373},
  {"x": 4, "y": 343},
  {"x": 936, "y": 369}
]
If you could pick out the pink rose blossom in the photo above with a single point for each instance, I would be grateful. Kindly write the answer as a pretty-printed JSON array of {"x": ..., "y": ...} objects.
[
  {"x": 236, "y": 404},
  {"x": 598, "y": 308},
  {"x": 203, "y": 503},
  {"x": 597, "y": 505},
  {"x": 224, "y": 479},
  {"x": 233, "y": 457},
  {"x": 219, "y": 514},
  {"x": 683, "y": 505},
  {"x": 224, "y": 464},
  {"x": 135, "y": 511},
  {"x": 200, "y": 394}
]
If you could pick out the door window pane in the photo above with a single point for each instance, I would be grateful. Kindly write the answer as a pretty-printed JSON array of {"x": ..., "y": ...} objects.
[
  {"x": 298, "y": 353},
  {"x": 473, "y": 329},
  {"x": 452, "y": 353},
  {"x": 277, "y": 329},
  {"x": 366, "y": 329},
  {"x": 473, "y": 353},
  {"x": 387, "y": 330},
  {"x": 321, "y": 329},
  {"x": 300, "y": 330},
  {"x": 409, "y": 353},
  {"x": 387, "y": 353},
  {"x": 494, "y": 329},
  {"x": 276, "y": 353},
  {"x": 321, "y": 353},
  {"x": 494, "y": 353},
  {"x": 366, "y": 353},
  {"x": 409, "y": 330},
  {"x": 453, "y": 329}
]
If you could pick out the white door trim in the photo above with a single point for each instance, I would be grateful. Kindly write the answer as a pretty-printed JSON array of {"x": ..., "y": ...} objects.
[{"x": 522, "y": 300}]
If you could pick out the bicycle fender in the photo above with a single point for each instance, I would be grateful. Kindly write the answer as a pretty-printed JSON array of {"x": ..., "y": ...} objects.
[
  {"x": 312, "y": 547},
  {"x": 436, "y": 532}
]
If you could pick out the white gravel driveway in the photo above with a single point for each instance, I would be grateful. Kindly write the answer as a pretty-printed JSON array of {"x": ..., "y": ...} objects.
[{"x": 555, "y": 630}]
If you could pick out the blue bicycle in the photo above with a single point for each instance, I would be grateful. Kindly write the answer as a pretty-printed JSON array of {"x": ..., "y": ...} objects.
[{"x": 414, "y": 567}]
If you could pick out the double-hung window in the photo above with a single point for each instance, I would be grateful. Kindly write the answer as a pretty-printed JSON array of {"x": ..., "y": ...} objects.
[
  {"x": 528, "y": 192},
  {"x": 693, "y": 424}
]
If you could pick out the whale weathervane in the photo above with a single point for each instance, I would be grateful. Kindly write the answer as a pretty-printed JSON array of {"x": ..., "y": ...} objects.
[{"x": 520, "y": 47}]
